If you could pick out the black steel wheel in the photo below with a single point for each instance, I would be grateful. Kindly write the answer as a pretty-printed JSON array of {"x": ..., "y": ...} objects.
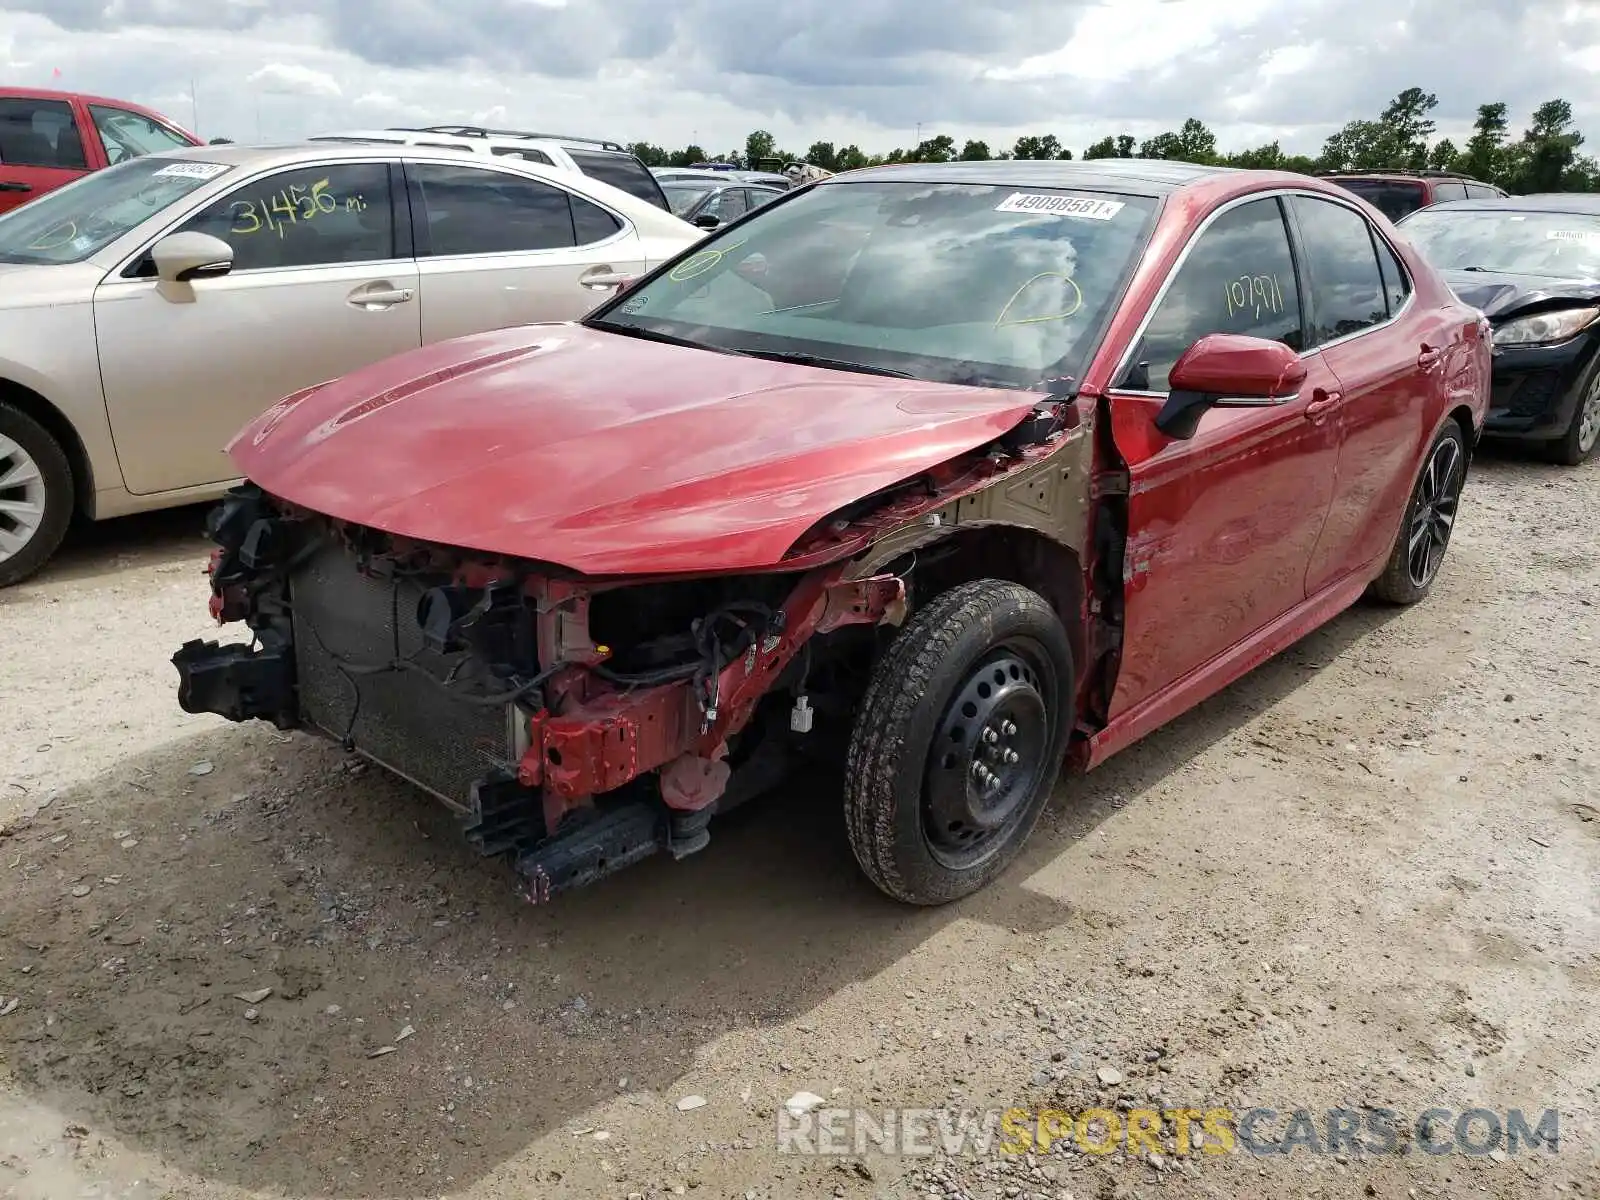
[
  {"x": 958, "y": 741},
  {"x": 1429, "y": 520}
]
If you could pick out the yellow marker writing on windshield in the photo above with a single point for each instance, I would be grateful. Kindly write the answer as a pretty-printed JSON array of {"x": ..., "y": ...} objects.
[{"x": 1077, "y": 302}]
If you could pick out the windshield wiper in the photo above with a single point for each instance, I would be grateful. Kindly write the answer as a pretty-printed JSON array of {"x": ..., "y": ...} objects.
[{"x": 815, "y": 360}]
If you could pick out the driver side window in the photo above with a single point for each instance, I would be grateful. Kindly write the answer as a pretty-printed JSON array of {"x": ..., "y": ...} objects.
[{"x": 1238, "y": 278}]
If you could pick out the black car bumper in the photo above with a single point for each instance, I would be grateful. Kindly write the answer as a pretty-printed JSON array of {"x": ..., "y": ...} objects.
[{"x": 1535, "y": 388}]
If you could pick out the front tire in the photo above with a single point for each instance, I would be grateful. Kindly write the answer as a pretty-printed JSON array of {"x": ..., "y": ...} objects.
[
  {"x": 1574, "y": 447},
  {"x": 1429, "y": 520},
  {"x": 36, "y": 496},
  {"x": 958, "y": 741}
]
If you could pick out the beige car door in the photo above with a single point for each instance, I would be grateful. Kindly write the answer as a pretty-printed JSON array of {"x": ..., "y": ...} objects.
[
  {"x": 497, "y": 249},
  {"x": 322, "y": 283}
]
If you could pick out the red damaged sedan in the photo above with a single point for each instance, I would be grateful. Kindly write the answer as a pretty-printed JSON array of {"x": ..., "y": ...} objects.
[{"x": 952, "y": 474}]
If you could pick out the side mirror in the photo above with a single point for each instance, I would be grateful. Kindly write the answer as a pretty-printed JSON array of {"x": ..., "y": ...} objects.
[
  {"x": 1227, "y": 370},
  {"x": 708, "y": 220},
  {"x": 182, "y": 257}
]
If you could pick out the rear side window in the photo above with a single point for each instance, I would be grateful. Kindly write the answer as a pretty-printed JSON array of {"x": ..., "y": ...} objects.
[
  {"x": 40, "y": 133},
  {"x": 1481, "y": 191},
  {"x": 1396, "y": 285},
  {"x": 1347, "y": 292},
  {"x": 1394, "y": 198},
  {"x": 528, "y": 155},
  {"x": 469, "y": 210},
  {"x": 591, "y": 223},
  {"x": 131, "y": 135},
  {"x": 621, "y": 171},
  {"x": 1451, "y": 190},
  {"x": 1238, "y": 277}
]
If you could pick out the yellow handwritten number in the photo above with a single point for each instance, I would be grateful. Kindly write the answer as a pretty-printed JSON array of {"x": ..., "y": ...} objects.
[{"x": 250, "y": 212}]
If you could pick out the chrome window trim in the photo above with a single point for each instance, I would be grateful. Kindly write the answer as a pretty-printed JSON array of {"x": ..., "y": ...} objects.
[{"x": 1126, "y": 359}]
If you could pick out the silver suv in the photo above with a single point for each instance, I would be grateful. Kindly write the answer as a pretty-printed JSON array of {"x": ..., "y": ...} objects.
[{"x": 606, "y": 161}]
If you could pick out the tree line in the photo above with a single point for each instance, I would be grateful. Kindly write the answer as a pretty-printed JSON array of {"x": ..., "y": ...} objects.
[{"x": 1546, "y": 158}]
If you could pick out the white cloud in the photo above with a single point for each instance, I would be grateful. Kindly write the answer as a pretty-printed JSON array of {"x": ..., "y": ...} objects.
[{"x": 291, "y": 79}]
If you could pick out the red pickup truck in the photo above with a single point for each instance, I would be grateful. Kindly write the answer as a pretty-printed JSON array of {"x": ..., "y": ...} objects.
[{"x": 48, "y": 139}]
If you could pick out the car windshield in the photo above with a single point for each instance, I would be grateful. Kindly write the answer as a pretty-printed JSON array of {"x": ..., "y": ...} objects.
[
  {"x": 71, "y": 223},
  {"x": 1558, "y": 245},
  {"x": 947, "y": 282},
  {"x": 684, "y": 196}
]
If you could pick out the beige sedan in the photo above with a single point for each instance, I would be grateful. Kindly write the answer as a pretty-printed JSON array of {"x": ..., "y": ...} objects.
[{"x": 149, "y": 310}]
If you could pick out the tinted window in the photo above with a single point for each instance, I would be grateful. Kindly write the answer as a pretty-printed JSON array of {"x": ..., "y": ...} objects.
[
  {"x": 1347, "y": 292},
  {"x": 945, "y": 281},
  {"x": 1394, "y": 198},
  {"x": 1396, "y": 284},
  {"x": 1449, "y": 191},
  {"x": 759, "y": 196},
  {"x": 620, "y": 171},
  {"x": 40, "y": 133},
  {"x": 311, "y": 216},
  {"x": 1481, "y": 191},
  {"x": 729, "y": 204},
  {"x": 1238, "y": 278},
  {"x": 473, "y": 211},
  {"x": 684, "y": 196},
  {"x": 129, "y": 135},
  {"x": 591, "y": 223}
]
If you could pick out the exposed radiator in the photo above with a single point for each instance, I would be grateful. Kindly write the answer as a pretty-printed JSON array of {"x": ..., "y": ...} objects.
[{"x": 409, "y": 725}]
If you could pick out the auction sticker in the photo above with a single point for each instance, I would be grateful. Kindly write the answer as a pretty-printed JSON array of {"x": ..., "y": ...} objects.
[
  {"x": 1573, "y": 235},
  {"x": 1059, "y": 206},
  {"x": 191, "y": 170}
]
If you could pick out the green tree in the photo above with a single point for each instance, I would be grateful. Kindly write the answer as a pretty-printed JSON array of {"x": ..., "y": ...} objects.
[
  {"x": 1106, "y": 147},
  {"x": 688, "y": 156},
  {"x": 823, "y": 154},
  {"x": 1485, "y": 155},
  {"x": 1407, "y": 127},
  {"x": 851, "y": 158},
  {"x": 1124, "y": 145},
  {"x": 759, "y": 144},
  {"x": 1192, "y": 143},
  {"x": 1547, "y": 159},
  {"x": 975, "y": 152},
  {"x": 935, "y": 149},
  {"x": 1443, "y": 156},
  {"x": 649, "y": 155},
  {"x": 1037, "y": 147}
]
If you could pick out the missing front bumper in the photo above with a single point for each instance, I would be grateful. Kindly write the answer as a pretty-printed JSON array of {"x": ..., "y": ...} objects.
[{"x": 237, "y": 682}]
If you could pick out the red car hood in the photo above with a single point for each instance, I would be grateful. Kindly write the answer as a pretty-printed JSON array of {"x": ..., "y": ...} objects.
[{"x": 604, "y": 453}]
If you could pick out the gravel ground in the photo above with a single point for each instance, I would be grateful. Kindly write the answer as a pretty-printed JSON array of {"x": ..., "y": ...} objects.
[{"x": 1368, "y": 875}]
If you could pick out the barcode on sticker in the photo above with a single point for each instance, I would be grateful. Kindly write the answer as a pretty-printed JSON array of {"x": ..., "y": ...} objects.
[
  {"x": 1573, "y": 235},
  {"x": 1059, "y": 206},
  {"x": 192, "y": 170}
]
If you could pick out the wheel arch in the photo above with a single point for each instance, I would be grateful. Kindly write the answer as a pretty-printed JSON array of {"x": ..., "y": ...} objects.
[{"x": 62, "y": 430}]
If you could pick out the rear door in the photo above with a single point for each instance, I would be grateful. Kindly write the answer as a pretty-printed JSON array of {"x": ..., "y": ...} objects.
[
  {"x": 1389, "y": 355},
  {"x": 41, "y": 148},
  {"x": 323, "y": 282},
  {"x": 497, "y": 249}
]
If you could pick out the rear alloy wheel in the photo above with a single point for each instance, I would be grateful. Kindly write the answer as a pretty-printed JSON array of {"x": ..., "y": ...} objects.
[
  {"x": 1577, "y": 444},
  {"x": 35, "y": 495},
  {"x": 1429, "y": 521},
  {"x": 958, "y": 741}
]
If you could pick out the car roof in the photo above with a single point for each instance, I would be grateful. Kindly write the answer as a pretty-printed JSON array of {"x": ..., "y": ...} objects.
[
  {"x": 1577, "y": 203},
  {"x": 1133, "y": 176}
]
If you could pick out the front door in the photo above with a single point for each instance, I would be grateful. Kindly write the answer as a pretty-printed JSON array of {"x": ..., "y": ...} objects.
[
  {"x": 319, "y": 287},
  {"x": 1222, "y": 525},
  {"x": 498, "y": 249},
  {"x": 41, "y": 149}
]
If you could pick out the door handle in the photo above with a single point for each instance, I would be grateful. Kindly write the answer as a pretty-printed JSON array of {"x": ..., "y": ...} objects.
[
  {"x": 16, "y": 187},
  {"x": 379, "y": 298},
  {"x": 1429, "y": 357},
  {"x": 600, "y": 279},
  {"x": 1322, "y": 403}
]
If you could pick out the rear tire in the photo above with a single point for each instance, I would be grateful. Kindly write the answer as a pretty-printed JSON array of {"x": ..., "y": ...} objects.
[
  {"x": 1429, "y": 520},
  {"x": 36, "y": 495},
  {"x": 958, "y": 741},
  {"x": 1574, "y": 447}
]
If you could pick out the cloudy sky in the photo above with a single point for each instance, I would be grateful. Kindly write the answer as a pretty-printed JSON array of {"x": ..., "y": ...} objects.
[{"x": 867, "y": 71}]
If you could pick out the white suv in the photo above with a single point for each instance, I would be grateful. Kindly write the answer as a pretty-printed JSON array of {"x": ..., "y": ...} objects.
[{"x": 606, "y": 161}]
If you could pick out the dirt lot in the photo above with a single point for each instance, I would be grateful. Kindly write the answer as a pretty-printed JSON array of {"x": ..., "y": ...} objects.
[{"x": 1367, "y": 875}]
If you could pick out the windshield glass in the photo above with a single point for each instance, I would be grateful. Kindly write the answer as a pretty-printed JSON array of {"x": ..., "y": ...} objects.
[
  {"x": 946, "y": 282},
  {"x": 71, "y": 223},
  {"x": 684, "y": 196},
  {"x": 1559, "y": 245}
]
